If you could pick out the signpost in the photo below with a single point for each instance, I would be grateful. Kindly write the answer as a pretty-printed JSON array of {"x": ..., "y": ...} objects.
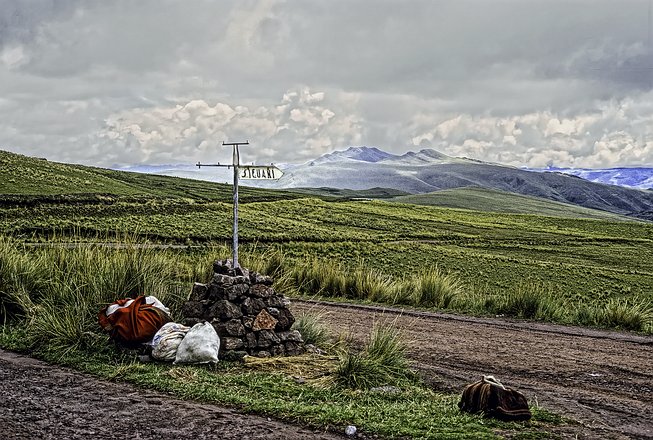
[
  {"x": 260, "y": 173},
  {"x": 243, "y": 172}
]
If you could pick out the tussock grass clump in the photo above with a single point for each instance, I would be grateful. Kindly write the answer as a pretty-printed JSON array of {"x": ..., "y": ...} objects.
[
  {"x": 19, "y": 275},
  {"x": 367, "y": 284},
  {"x": 357, "y": 371},
  {"x": 434, "y": 289},
  {"x": 316, "y": 277},
  {"x": 381, "y": 362},
  {"x": 312, "y": 329},
  {"x": 387, "y": 348},
  {"x": 430, "y": 289},
  {"x": 521, "y": 303},
  {"x": 270, "y": 261},
  {"x": 529, "y": 300},
  {"x": 198, "y": 266},
  {"x": 274, "y": 263},
  {"x": 626, "y": 315},
  {"x": 402, "y": 294}
]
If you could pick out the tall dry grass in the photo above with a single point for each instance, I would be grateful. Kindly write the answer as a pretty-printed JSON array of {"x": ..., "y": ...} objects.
[
  {"x": 435, "y": 289},
  {"x": 58, "y": 291}
]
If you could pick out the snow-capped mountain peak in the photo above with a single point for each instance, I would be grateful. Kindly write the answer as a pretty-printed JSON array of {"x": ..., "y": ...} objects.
[
  {"x": 424, "y": 157},
  {"x": 362, "y": 154}
]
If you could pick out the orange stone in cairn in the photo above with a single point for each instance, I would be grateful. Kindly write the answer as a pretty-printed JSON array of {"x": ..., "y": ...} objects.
[{"x": 264, "y": 321}]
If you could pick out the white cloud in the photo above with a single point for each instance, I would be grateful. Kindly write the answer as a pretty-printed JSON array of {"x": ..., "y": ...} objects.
[
  {"x": 300, "y": 125},
  {"x": 606, "y": 136},
  {"x": 13, "y": 57}
]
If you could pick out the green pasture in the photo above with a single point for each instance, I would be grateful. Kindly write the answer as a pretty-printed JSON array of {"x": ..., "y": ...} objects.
[
  {"x": 580, "y": 262},
  {"x": 482, "y": 199}
]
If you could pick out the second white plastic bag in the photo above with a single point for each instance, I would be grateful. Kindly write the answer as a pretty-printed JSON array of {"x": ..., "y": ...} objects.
[
  {"x": 200, "y": 345},
  {"x": 166, "y": 341}
]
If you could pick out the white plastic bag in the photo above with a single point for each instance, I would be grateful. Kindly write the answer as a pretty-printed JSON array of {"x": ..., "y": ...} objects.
[
  {"x": 166, "y": 341},
  {"x": 200, "y": 345}
]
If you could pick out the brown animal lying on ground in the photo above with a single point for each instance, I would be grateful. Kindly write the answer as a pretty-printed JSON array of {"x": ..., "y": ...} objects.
[{"x": 490, "y": 397}]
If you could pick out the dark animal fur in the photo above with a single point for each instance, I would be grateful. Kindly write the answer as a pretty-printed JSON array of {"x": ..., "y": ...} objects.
[{"x": 489, "y": 397}]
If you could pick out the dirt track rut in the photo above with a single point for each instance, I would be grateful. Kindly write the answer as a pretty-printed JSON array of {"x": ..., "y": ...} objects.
[
  {"x": 602, "y": 379},
  {"x": 42, "y": 401}
]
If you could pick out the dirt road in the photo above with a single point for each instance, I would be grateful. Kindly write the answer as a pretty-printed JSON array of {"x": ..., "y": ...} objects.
[
  {"x": 41, "y": 401},
  {"x": 602, "y": 379}
]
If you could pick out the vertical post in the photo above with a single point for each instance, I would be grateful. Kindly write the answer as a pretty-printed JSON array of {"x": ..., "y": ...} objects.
[{"x": 236, "y": 164}]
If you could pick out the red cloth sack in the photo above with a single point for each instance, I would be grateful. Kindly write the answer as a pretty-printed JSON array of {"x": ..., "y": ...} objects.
[{"x": 131, "y": 322}]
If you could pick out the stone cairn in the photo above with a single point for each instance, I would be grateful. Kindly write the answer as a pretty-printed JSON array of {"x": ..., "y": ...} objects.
[{"x": 246, "y": 312}]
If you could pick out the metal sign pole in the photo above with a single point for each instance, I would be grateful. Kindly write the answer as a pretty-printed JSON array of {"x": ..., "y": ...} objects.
[
  {"x": 236, "y": 165},
  {"x": 236, "y": 162},
  {"x": 250, "y": 172}
]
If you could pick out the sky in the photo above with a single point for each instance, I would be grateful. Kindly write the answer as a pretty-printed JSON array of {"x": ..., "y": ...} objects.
[{"x": 522, "y": 82}]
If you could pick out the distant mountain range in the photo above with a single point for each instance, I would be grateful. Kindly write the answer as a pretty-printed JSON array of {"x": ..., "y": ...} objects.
[
  {"x": 426, "y": 171},
  {"x": 631, "y": 177}
]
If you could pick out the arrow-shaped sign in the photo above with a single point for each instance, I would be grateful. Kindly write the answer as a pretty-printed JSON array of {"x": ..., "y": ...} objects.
[{"x": 260, "y": 172}]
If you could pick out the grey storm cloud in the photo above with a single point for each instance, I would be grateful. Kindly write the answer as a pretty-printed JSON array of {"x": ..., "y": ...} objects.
[
  {"x": 20, "y": 20},
  {"x": 530, "y": 82}
]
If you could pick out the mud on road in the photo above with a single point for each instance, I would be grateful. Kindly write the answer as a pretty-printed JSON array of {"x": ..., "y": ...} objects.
[
  {"x": 601, "y": 379},
  {"x": 42, "y": 401}
]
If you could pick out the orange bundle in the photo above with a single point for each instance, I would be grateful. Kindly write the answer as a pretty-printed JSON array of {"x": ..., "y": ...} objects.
[{"x": 131, "y": 322}]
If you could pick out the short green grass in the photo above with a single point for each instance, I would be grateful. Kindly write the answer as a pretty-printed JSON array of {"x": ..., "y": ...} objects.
[{"x": 489, "y": 200}]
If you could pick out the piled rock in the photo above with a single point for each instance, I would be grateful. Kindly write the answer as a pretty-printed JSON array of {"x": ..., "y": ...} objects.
[{"x": 246, "y": 312}]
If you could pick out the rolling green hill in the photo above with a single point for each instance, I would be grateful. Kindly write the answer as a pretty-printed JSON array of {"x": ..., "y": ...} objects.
[
  {"x": 28, "y": 180},
  {"x": 24, "y": 178},
  {"x": 429, "y": 170},
  {"x": 372, "y": 193},
  {"x": 481, "y": 199}
]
